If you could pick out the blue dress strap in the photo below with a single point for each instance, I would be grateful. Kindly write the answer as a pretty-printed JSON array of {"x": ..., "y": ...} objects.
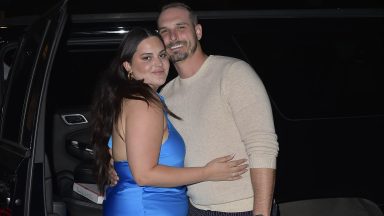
[{"x": 110, "y": 142}]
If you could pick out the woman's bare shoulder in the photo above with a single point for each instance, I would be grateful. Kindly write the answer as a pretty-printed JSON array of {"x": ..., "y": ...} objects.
[{"x": 141, "y": 107}]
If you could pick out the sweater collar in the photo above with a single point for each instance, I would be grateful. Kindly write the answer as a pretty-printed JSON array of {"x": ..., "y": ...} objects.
[{"x": 202, "y": 70}]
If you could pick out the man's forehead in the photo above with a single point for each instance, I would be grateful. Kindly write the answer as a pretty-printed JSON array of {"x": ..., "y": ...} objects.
[{"x": 173, "y": 16}]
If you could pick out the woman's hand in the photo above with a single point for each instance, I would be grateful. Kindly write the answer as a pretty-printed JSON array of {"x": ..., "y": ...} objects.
[{"x": 225, "y": 169}]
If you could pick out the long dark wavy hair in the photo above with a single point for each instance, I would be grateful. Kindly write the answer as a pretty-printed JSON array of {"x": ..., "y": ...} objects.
[{"x": 114, "y": 87}]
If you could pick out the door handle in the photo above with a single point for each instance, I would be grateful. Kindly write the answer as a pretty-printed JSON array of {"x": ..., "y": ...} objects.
[{"x": 74, "y": 119}]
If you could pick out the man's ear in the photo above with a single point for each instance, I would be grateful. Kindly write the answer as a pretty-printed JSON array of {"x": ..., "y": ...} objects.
[
  {"x": 127, "y": 66},
  {"x": 199, "y": 31}
]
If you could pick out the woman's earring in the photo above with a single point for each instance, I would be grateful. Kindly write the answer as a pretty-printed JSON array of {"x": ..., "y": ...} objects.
[{"x": 130, "y": 75}]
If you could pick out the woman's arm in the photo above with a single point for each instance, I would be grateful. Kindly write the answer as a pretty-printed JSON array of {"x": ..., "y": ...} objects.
[{"x": 144, "y": 128}]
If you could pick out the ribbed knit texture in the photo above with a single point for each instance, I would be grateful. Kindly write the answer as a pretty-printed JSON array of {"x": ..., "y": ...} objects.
[{"x": 225, "y": 110}]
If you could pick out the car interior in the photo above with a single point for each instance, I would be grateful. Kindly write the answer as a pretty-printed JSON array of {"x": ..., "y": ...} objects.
[
  {"x": 74, "y": 78},
  {"x": 323, "y": 77}
]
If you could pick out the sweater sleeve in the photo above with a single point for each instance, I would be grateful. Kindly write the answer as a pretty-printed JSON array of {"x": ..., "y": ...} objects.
[{"x": 248, "y": 101}]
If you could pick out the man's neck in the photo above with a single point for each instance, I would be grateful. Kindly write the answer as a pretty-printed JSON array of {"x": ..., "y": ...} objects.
[{"x": 189, "y": 67}]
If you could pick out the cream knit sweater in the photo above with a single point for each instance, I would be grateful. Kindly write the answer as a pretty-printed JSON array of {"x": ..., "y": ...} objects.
[{"x": 225, "y": 110}]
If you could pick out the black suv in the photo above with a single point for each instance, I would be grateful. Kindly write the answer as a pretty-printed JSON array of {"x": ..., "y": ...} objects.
[{"x": 323, "y": 70}]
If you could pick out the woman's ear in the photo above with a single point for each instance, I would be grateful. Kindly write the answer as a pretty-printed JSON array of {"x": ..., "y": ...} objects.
[{"x": 127, "y": 66}]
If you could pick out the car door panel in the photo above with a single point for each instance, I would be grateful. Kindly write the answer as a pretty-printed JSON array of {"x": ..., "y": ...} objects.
[
  {"x": 71, "y": 141},
  {"x": 21, "y": 143}
]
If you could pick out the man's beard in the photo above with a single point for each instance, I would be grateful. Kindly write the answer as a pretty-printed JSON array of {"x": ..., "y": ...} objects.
[{"x": 180, "y": 55}]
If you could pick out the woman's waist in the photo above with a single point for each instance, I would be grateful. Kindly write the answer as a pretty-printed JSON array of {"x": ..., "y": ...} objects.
[{"x": 129, "y": 184}]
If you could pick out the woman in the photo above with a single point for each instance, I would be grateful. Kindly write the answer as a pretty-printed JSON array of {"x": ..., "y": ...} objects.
[{"x": 147, "y": 150}]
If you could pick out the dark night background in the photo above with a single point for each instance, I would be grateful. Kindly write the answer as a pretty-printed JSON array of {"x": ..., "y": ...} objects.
[
  {"x": 337, "y": 53},
  {"x": 10, "y": 8}
]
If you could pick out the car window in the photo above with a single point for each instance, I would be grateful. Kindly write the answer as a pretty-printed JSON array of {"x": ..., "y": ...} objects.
[
  {"x": 7, "y": 58},
  {"x": 18, "y": 83},
  {"x": 75, "y": 75},
  {"x": 7, "y": 63}
]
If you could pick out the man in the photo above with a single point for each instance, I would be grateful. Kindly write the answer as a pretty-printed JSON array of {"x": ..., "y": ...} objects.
[{"x": 225, "y": 109}]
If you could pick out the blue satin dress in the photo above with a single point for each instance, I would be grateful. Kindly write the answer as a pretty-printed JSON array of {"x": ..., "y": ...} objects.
[{"x": 129, "y": 199}]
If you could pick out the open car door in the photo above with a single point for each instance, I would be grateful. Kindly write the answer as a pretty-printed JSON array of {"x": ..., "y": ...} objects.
[{"x": 22, "y": 173}]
